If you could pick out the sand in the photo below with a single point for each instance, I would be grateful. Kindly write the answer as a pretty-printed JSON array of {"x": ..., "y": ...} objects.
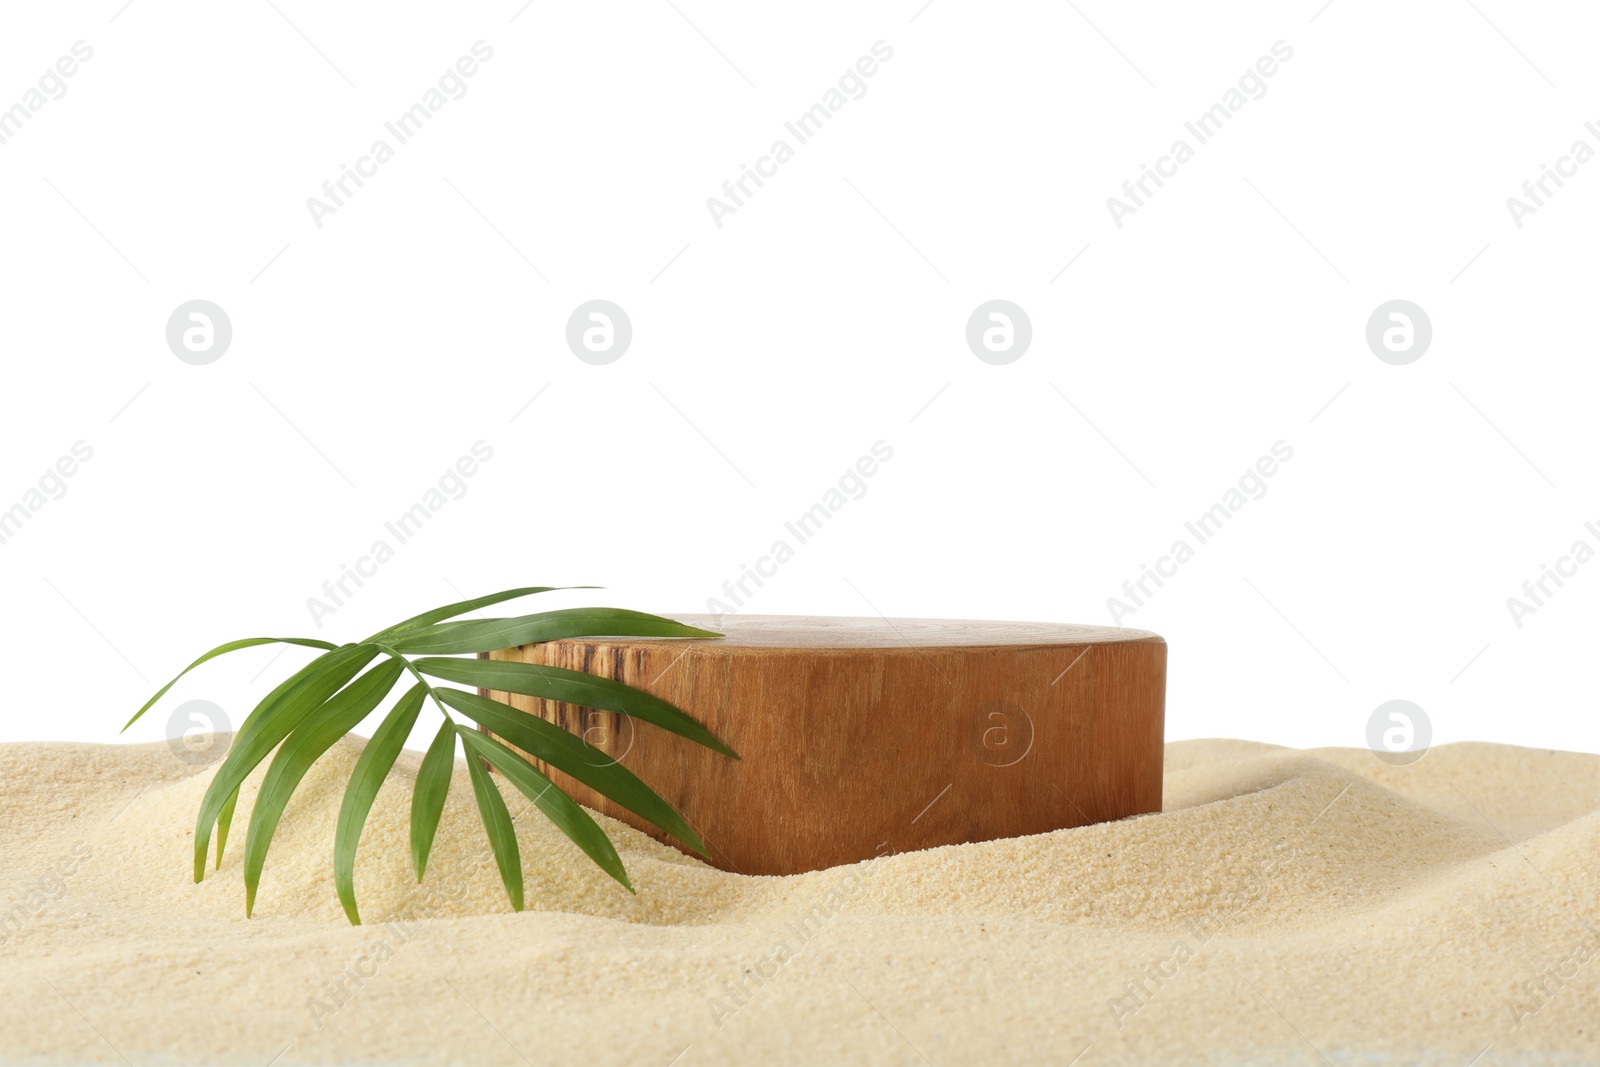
[{"x": 1286, "y": 907}]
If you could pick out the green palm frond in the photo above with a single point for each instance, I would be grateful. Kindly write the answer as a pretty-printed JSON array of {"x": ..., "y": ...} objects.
[{"x": 310, "y": 711}]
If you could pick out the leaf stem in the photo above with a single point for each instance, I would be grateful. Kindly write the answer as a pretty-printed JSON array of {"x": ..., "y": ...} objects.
[{"x": 406, "y": 663}]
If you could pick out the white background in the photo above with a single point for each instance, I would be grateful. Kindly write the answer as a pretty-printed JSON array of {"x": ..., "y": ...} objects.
[{"x": 827, "y": 314}]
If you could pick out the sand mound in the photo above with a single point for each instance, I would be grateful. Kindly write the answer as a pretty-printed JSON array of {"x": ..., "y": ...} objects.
[{"x": 1286, "y": 907}]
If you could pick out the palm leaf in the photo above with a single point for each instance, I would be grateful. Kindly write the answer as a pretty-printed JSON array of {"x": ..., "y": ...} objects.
[
  {"x": 548, "y": 742},
  {"x": 304, "y": 746},
  {"x": 308, "y": 712},
  {"x": 427, "y": 797},
  {"x": 566, "y": 813},
  {"x": 377, "y": 759},
  {"x": 487, "y": 635},
  {"x": 571, "y": 687},
  {"x": 497, "y": 825}
]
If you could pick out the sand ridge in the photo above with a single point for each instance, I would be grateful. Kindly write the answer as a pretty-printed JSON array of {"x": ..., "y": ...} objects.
[{"x": 1285, "y": 907}]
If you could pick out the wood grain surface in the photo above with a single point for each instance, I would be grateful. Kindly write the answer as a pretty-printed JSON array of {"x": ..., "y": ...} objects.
[{"x": 864, "y": 736}]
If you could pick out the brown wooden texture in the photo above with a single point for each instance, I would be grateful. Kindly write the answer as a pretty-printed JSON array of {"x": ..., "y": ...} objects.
[{"x": 867, "y": 736}]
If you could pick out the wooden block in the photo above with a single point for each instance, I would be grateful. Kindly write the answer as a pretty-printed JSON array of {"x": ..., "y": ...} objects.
[{"x": 862, "y": 736}]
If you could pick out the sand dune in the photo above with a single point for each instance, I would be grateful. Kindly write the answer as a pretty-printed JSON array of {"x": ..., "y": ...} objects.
[{"x": 1286, "y": 907}]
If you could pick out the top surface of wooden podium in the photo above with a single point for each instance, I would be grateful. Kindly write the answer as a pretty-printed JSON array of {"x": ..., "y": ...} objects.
[{"x": 887, "y": 635}]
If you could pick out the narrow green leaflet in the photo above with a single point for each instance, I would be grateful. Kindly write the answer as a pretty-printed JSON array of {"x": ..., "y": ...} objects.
[
  {"x": 487, "y": 635},
  {"x": 288, "y": 711},
  {"x": 224, "y": 823},
  {"x": 265, "y": 710},
  {"x": 251, "y": 725},
  {"x": 318, "y": 733},
  {"x": 565, "y": 752},
  {"x": 284, "y": 689},
  {"x": 427, "y": 796},
  {"x": 571, "y": 687},
  {"x": 566, "y": 813},
  {"x": 377, "y": 759},
  {"x": 502, "y": 835},
  {"x": 450, "y": 611},
  {"x": 222, "y": 650}
]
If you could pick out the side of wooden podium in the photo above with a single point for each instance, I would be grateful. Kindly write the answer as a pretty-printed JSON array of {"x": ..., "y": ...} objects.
[{"x": 855, "y": 746}]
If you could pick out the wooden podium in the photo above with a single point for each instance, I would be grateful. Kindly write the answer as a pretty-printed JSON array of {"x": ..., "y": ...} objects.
[{"x": 866, "y": 736}]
